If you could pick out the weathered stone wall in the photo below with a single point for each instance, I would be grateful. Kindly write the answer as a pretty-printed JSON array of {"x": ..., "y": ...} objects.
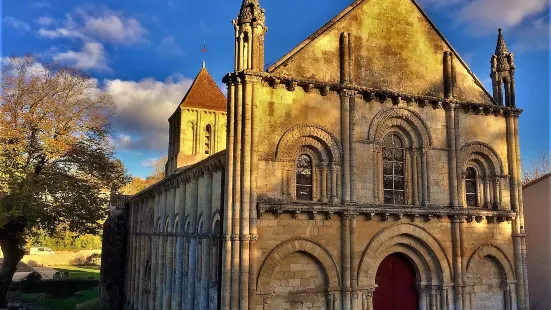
[{"x": 174, "y": 240}]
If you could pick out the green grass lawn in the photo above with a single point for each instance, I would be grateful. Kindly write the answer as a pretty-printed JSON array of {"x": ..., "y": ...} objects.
[
  {"x": 80, "y": 272},
  {"x": 58, "y": 303}
]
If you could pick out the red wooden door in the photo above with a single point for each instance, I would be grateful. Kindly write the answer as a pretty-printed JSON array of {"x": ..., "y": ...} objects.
[{"x": 396, "y": 289}]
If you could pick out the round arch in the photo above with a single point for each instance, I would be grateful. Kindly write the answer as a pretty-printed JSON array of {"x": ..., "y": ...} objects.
[
  {"x": 316, "y": 136},
  {"x": 314, "y": 249},
  {"x": 215, "y": 217},
  {"x": 485, "y": 152},
  {"x": 497, "y": 254},
  {"x": 423, "y": 248},
  {"x": 406, "y": 120}
]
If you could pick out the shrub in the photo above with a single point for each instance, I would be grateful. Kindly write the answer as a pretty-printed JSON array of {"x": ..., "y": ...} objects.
[
  {"x": 57, "y": 288},
  {"x": 33, "y": 263},
  {"x": 93, "y": 259},
  {"x": 32, "y": 277}
]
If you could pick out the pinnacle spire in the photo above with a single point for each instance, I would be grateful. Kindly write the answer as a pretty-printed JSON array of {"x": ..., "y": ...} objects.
[
  {"x": 501, "y": 47},
  {"x": 250, "y": 11}
]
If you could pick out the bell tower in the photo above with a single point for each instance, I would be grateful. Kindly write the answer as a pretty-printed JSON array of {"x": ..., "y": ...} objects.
[
  {"x": 249, "y": 37},
  {"x": 503, "y": 73}
]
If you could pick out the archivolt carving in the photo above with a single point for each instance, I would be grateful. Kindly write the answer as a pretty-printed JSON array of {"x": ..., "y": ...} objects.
[
  {"x": 497, "y": 254},
  {"x": 419, "y": 245},
  {"x": 484, "y": 151},
  {"x": 317, "y": 251},
  {"x": 316, "y": 136},
  {"x": 409, "y": 121},
  {"x": 215, "y": 217}
]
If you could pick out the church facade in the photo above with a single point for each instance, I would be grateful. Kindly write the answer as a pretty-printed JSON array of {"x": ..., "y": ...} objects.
[{"x": 366, "y": 169}]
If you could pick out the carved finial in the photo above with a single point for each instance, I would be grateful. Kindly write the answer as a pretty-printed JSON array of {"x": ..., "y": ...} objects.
[
  {"x": 501, "y": 47},
  {"x": 204, "y": 65},
  {"x": 250, "y": 11}
]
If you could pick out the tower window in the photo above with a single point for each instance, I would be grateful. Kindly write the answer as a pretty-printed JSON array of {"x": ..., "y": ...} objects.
[
  {"x": 471, "y": 187},
  {"x": 393, "y": 170},
  {"x": 207, "y": 139},
  {"x": 304, "y": 178}
]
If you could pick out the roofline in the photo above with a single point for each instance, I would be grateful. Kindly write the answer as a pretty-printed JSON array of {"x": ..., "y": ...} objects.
[
  {"x": 191, "y": 86},
  {"x": 536, "y": 180},
  {"x": 353, "y": 6}
]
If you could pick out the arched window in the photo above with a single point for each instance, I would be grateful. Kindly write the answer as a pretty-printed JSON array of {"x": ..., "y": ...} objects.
[
  {"x": 304, "y": 177},
  {"x": 471, "y": 187},
  {"x": 393, "y": 170},
  {"x": 207, "y": 139}
]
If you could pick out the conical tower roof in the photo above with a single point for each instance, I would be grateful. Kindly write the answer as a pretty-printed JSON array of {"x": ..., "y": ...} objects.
[{"x": 204, "y": 94}]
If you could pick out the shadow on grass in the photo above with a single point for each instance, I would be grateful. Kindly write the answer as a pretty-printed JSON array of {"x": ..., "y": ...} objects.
[
  {"x": 80, "y": 272},
  {"x": 70, "y": 303}
]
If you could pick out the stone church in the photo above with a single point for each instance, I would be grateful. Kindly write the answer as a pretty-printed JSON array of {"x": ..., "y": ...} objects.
[{"x": 366, "y": 169}]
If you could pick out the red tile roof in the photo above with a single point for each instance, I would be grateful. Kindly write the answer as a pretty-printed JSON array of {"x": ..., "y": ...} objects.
[{"x": 204, "y": 94}]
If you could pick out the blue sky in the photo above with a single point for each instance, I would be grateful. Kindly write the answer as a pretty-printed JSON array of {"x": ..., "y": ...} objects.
[{"x": 147, "y": 52}]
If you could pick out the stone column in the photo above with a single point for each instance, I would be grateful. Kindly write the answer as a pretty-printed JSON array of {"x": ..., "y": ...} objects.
[
  {"x": 236, "y": 245},
  {"x": 334, "y": 170},
  {"x": 346, "y": 261},
  {"x": 323, "y": 179},
  {"x": 169, "y": 271},
  {"x": 487, "y": 203},
  {"x": 227, "y": 207},
  {"x": 425, "y": 172},
  {"x": 177, "y": 300},
  {"x": 520, "y": 203},
  {"x": 456, "y": 262},
  {"x": 378, "y": 186},
  {"x": 496, "y": 193},
  {"x": 452, "y": 159},
  {"x": 160, "y": 271},
  {"x": 141, "y": 259},
  {"x": 345, "y": 138},
  {"x": 518, "y": 229},
  {"x": 254, "y": 253},
  {"x": 154, "y": 256},
  {"x": 433, "y": 299},
  {"x": 132, "y": 266},
  {"x": 415, "y": 179},
  {"x": 192, "y": 276},
  {"x": 352, "y": 133},
  {"x": 353, "y": 263}
]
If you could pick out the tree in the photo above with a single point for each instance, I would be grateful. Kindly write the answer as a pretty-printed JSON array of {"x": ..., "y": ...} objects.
[
  {"x": 56, "y": 164},
  {"x": 538, "y": 167},
  {"x": 138, "y": 184}
]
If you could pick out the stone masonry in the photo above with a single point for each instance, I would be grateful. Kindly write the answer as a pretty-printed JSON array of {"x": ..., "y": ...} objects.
[{"x": 372, "y": 137}]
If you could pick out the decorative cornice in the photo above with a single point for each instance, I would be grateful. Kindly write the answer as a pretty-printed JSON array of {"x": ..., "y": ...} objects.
[
  {"x": 388, "y": 212},
  {"x": 372, "y": 94},
  {"x": 210, "y": 164}
]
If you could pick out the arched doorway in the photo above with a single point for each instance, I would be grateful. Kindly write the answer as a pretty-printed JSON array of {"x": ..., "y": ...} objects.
[{"x": 396, "y": 284}]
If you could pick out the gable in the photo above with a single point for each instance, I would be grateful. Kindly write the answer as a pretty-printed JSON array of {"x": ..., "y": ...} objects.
[
  {"x": 204, "y": 94},
  {"x": 393, "y": 46}
]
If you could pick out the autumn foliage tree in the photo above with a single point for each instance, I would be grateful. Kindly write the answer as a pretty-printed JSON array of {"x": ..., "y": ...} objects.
[
  {"x": 138, "y": 184},
  {"x": 56, "y": 165}
]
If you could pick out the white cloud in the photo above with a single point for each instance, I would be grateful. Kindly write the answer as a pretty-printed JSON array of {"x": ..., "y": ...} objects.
[
  {"x": 16, "y": 23},
  {"x": 91, "y": 56},
  {"x": 485, "y": 16},
  {"x": 533, "y": 36},
  {"x": 525, "y": 29},
  {"x": 149, "y": 162},
  {"x": 45, "y": 21},
  {"x": 143, "y": 109},
  {"x": 169, "y": 47},
  {"x": 101, "y": 25}
]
